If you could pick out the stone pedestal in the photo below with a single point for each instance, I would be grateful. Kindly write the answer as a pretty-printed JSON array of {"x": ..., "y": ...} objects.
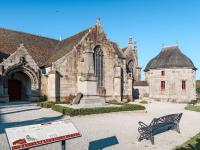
[
  {"x": 87, "y": 85},
  {"x": 92, "y": 101}
]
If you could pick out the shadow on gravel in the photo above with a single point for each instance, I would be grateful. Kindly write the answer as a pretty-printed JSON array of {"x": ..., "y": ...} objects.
[
  {"x": 14, "y": 107},
  {"x": 103, "y": 143},
  {"x": 18, "y": 111},
  {"x": 16, "y": 104},
  {"x": 4, "y": 124}
]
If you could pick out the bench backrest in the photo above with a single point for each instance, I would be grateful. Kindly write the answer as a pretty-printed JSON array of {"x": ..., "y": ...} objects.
[{"x": 173, "y": 118}]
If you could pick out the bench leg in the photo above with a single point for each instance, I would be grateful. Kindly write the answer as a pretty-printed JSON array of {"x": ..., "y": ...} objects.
[
  {"x": 178, "y": 129},
  {"x": 152, "y": 139},
  {"x": 140, "y": 139}
]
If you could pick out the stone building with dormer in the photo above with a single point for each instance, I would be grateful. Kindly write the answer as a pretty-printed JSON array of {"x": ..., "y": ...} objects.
[
  {"x": 88, "y": 62},
  {"x": 170, "y": 76}
]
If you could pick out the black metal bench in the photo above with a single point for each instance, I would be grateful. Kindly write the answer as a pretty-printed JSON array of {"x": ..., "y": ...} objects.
[{"x": 159, "y": 125}]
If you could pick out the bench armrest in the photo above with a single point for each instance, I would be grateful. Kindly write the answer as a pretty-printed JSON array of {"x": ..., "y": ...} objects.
[{"x": 142, "y": 124}]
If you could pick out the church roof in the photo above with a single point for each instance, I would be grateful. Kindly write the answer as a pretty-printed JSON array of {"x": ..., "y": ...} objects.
[
  {"x": 40, "y": 48},
  {"x": 124, "y": 49},
  {"x": 43, "y": 50},
  {"x": 66, "y": 46},
  {"x": 118, "y": 50},
  {"x": 170, "y": 57}
]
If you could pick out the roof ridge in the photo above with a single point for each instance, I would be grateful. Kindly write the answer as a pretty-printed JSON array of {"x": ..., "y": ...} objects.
[
  {"x": 170, "y": 46},
  {"x": 75, "y": 34},
  {"x": 70, "y": 37},
  {"x": 66, "y": 45}
]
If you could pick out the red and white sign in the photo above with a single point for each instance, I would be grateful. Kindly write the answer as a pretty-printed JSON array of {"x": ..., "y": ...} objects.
[{"x": 40, "y": 134}]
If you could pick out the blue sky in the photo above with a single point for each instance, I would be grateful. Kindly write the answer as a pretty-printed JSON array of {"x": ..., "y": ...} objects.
[{"x": 152, "y": 22}]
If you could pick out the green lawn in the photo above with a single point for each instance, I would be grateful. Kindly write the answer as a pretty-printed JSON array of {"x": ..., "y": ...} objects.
[
  {"x": 87, "y": 111},
  {"x": 193, "y": 108},
  {"x": 192, "y": 144}
]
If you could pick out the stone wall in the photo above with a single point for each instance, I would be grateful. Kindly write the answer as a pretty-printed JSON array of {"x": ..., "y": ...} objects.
[
  {"x": 173, "y": 84},
  {"x": 44, "y": 85},
  {"x": 141, "y": 91},
  {"x": 67, "y": 70}
]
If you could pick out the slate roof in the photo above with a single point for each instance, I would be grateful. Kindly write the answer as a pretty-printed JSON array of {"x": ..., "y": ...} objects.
[
  {"x": 170, "y": 57},
  {"x": 40, "y": 48},
  {"x": 43, "y": 50},
  {"x": 140, "y": 83},
  {"x": 66, "y": 46},
  {"x": 124, "y": 49},
  {"x": 118, "y": 50}
]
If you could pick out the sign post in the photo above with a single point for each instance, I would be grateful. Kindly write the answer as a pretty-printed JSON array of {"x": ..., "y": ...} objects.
[
  {"x": 63, "y": 145},
  {"x": 25, "y": 137}
]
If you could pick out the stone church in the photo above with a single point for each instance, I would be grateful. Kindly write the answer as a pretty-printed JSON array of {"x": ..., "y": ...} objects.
[{"x": 32, "y": 66}]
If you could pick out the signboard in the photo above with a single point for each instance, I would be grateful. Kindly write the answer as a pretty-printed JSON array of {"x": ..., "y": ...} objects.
[{"x": 34, "y": 135}]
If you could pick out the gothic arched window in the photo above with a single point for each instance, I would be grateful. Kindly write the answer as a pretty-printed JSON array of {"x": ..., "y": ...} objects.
[
  {"x": 130, "y": 67},
  {"x": 98, "y": 65}
]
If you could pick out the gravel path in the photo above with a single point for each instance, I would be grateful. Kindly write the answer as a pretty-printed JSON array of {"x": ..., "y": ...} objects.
[{"x": 122, "y": 125}]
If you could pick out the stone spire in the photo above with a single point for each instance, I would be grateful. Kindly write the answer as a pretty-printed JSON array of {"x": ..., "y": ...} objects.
[
  {"x": 98, "y": 23},
  {"x": 135, "y": 44},
  {"x": 135, "y": 49},
  {"x": 130, "y": 42}
]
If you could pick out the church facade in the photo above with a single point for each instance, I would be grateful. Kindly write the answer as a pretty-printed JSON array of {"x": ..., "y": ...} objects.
[{"x": 88, "y": 62}]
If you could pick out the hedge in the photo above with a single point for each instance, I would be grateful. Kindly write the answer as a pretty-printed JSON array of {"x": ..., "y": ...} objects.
[
  {"x": 193, "y": 108},
  {"x": 46, "y": 104},
  {"x": 97, "y": 110},
  {"x": 191, "y": 144}
]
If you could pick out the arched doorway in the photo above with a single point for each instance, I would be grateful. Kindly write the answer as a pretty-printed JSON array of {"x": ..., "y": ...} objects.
[
  {"x": 21, "y": 83},
  {"x": 19, "y": 86}
]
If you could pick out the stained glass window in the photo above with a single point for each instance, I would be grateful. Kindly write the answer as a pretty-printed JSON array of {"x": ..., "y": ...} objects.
[{"x": 98, "y": 65}]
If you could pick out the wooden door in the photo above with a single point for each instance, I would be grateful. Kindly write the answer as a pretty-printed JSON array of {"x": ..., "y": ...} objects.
[{"x": 14, "y": 89}]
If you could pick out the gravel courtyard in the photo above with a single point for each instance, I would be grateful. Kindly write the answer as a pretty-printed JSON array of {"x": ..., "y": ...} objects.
[{"x": 122, "y": 125}]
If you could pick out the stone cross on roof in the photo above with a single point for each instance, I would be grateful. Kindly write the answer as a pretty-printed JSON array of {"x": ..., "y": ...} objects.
[{"x": 98, "y": 23}]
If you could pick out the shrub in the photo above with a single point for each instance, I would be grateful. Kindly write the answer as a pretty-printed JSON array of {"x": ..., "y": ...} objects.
[
  {"x": 41, "y": 99},
  {"x": 97, "y": 110},
  {"x": 191, "y": 144},
  {"x": 58, "y": 108},
  {"x": 193, "y": 108},
  {"x": 46, "y": 104},
  {"x": 198, "y": 90}
]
